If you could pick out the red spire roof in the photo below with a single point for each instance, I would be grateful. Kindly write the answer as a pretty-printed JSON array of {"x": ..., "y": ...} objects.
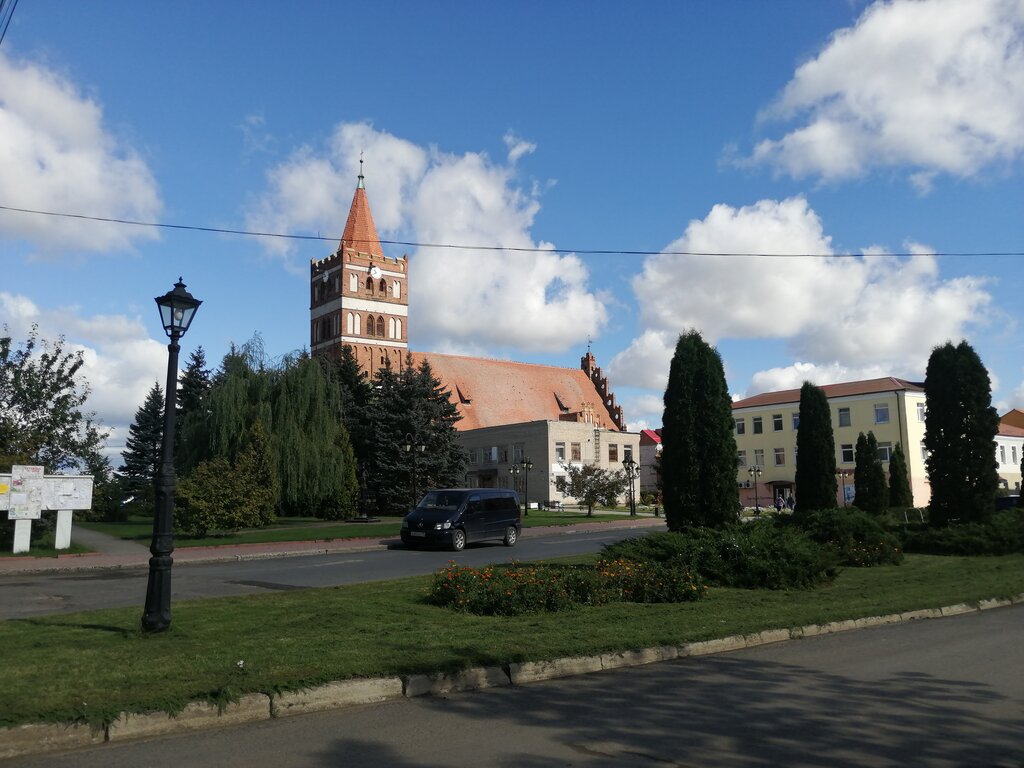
[{"x": 360, "y": 234}]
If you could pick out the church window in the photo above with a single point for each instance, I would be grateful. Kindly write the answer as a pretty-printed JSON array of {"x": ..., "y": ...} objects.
[
  {"x": 383, "y": 286},
  {"x": 358, "y": 329},
  {"x": 398, "y": 329},
  {"x": 369, "y": 285},
  {"x": 391, "y": 327},
  {"x": 396, "y": 289},
  {"x": 369, "y": 325},
  {"x": 353, "y": 282},
  {"x": 349, "y": 323},
  {"x": 380, "y": 326}
]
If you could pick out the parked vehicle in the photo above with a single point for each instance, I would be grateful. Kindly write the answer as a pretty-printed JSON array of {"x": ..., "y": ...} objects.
[{"x": 454, "y": 517}]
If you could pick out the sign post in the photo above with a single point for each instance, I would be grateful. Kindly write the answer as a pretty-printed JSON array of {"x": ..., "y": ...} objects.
[{"x": 26, "y": 492}]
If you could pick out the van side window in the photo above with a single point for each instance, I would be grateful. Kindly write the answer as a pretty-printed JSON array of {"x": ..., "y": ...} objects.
[{"x": 473, "y": 505}]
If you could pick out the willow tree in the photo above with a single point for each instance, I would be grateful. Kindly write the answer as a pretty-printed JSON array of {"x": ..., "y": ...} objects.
[
  {"x": 698, "y": 454},
  {"x": 816, "y": 452}
]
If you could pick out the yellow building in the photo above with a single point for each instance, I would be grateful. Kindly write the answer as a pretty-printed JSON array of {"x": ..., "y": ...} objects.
[{"x": 766, "y": 425}]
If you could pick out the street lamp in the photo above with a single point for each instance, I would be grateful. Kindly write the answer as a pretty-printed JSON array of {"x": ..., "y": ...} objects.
[
  {"x": 755, "y": 472},
  {"x": 514, "y": 470},
  {"x": 413, "y": 448},
  {"x": 527, "y": 465},
  {"x": 843, "y": 474},
  {"x": 632, "y": 472},
  {"x": 177, "y": 308}
]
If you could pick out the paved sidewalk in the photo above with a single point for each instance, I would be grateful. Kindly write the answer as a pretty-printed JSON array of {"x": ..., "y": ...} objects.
[{"x": 112, "y": 552}]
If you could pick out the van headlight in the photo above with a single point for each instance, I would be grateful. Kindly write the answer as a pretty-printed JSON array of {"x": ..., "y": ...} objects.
[{"x": 443, "y": 526}]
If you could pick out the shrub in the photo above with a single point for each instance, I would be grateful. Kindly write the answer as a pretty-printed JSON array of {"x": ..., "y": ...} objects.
[
  {"x": 856, "y": 538},
  {"x": 514, "y": 590},
  {"x": 1002, "y": 535},
  {"x": 758, "y": 554}
]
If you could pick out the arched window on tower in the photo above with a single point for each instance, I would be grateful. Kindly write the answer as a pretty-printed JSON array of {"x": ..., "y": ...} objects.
[
  {"x": 369, "y": 325},
  {"x": 398, "y": 328},
  {"x": 369, "y": 285},
  {"x": 383, "y": 286},
  {"x": 380, "y": 326},
  {"x": 350, "y": 324},
  {"x": 353, "y": 282},
  {"x": 391, "y": 327},
  {"x": 396, "y": 289},
  {"x": 359, "y": 322}
]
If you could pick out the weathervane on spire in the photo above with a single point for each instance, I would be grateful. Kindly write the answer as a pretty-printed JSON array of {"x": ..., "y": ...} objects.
[
  {"x": 361, "y": 170},
  {"x": 589, "y": 342}
]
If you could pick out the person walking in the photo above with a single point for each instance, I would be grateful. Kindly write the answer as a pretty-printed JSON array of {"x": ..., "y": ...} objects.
[{"x": 779, "y": 503}]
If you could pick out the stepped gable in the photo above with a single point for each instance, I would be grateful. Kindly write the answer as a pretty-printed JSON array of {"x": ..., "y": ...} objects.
[{"x": 490, "y": 393}]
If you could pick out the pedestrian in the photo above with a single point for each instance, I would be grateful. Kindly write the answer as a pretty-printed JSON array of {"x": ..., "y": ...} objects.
[
  {"x": 790, "y": 502},
  {"x": 779, "y": 503}
]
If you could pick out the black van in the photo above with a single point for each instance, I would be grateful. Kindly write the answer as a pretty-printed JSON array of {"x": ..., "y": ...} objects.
[{"x": 455, "y": 516}]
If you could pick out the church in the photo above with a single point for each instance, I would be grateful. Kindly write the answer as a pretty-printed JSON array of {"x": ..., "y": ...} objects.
[{"x": 521, "y": 422}]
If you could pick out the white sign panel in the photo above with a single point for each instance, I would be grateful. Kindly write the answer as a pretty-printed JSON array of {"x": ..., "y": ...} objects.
[
  {"x": 25, "y": 500},
  {"x": 67, "y": 492}
]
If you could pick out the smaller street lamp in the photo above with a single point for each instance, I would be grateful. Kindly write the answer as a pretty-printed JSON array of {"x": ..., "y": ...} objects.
[
  {"x": 632, "y": 472},
  {"x": 527, "y": 465},
  {"x": 755, "y": 472},
  {"x": 514, "y": 470},
  {"x": 413, "y": 447},
  {"x": 843, "y": 474}
]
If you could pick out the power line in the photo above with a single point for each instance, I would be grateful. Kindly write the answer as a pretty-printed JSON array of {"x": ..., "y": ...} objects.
[
  {"x": 6, "y": 14},
  {"x": 455, "y": 246}
]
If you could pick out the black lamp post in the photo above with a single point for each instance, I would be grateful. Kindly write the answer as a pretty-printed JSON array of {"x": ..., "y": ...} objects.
[
  {"x": 177, "y": 308},
  {"x": 843, "y": 474},
  {"x": 413, "y": 448},
  {"x": 632, "y": 472},
  {"x": 527, "y": 465},
  {"x": 755, "y": 472},
  {"x": 514, "y": 470}
]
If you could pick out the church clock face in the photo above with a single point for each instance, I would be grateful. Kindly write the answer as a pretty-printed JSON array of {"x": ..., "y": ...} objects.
[{"x": 375, "y": 272}]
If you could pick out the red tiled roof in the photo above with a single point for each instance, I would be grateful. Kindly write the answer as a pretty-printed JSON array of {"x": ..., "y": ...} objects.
[
  {"x": 491, "y": 393},
  {"x": 845, "y": 389},
  {"x": 360, "y": 234},
  {"x": 1013, "y": 417},
  {"x": 1008, "y": 430},
  {"x": 650, "y": 436}
]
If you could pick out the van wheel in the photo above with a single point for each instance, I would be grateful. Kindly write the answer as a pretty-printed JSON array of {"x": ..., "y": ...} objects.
[
  {"x": 511, "y": 536},
  {"x": 458, "y": 539}
]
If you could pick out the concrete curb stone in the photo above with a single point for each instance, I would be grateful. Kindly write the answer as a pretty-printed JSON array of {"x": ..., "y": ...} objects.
[
  {"x": 195, "y": 716},
  {"x": 638, "y": 657},
  {"x": 35, "y": 738},
  {"x": 344, "y": 693},
  {"x": 465, "y": 680},
  {"x": 533, "y": 671}
]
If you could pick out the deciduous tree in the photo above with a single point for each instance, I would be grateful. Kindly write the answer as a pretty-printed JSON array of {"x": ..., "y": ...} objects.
[{"x": 590, "y": 485}]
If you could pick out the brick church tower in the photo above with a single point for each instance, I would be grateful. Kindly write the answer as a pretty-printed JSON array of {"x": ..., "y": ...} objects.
[{"x": 358, "y": 296}]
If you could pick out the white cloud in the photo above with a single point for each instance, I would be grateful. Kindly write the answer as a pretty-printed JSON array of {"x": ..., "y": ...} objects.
[
  {"x": 121, "y": 362},
  {"x": 533, "y": 301},
  {"x": 874, "y": 313},
  {"x": 57, "y": 155},
  {"x": 934, "y": 85},
  {"x": 794, "y": 376},
  {"x": 517, "y": 147}
]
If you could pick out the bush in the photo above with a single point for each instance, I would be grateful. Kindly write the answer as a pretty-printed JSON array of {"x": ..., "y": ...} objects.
[
  {"x": 856, "y": 538},
  {"x": 513, "y": 590},
  {"x": 754, "y": 555},
  {"x": 1002, "y": 535}
]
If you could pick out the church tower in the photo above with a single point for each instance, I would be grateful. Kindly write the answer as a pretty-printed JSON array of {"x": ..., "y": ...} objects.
[{"x": 358, "y": 296}]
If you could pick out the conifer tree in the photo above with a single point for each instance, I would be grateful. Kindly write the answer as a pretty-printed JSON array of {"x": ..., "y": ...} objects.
[
  {"x": 816, "y": 452},
  {"x": 355, "y": 390},
  {"x": 698, "y": 459},
  {"x": 960, "y": 430},
  {"x": 900, "y": 494},
  {"x": 870, "y": 491},
  {"x": 142, "y": 454}
]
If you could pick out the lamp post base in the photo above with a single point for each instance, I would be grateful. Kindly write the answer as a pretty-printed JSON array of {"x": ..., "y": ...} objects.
[{"x": 157, "y": 615}]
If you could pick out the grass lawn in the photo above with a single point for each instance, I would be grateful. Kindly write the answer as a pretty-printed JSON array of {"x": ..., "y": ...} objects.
[
  {"x": 140, "y": 528},
  {"x": 44, "y": 548},
  {"x": 89, "y": 666}
]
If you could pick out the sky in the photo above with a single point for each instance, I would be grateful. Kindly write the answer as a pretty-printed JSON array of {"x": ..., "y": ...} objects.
[{"x": 825, "y": 190}]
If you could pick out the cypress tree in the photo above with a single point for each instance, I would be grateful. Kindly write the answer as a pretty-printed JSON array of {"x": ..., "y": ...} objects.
[
  {"x": 698, "y": 458},
  {"x": 816, "y": 452},
  {"x": 142, "y": 453},
  {"x": 900, "y": 494},
  {"x": 870, "y": 491},
  {"x": 960, "y": 430}
]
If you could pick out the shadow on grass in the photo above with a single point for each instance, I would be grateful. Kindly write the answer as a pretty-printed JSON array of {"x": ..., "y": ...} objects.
[{"x": 50, "y": 622}]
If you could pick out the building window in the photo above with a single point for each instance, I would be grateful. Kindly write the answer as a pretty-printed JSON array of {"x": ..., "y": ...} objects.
[
  {"x": 846, "y": 451},
  {"x": 1002, "y": 454},
  {"x": 396, "y": 289},
  {"x": 1013, "y": 453},
  {"x": 776, "y": 422},
  {"x": 369, "y": 325},
  {"x": 369, "y": 285},
  {"x": 383, "y": 286},
  {"x": 741, "y": 427},
  {"x": 560, "y": 452},
  {"x": 881, "y": 413},
  {"x": 924, "y": 452},
  {"x": 613, "y": 453},
  {"x": 627, "y": 452},
  {"x": 575, "y": 452},
  {"x": 921, "y": 412},
  {"x": 518, "y": 451},
  {"x": 741, "y": 458},
  {"x": 759, "y": 457},
  {"x": 353, "y": 282},
  {"x": 780, "y": 457},
  {"x": 796, "y": 420},
  {"x": 380, "y": 326},
  {"x": 758, "y": 429},
  {"x": 884, "y": 451},
  {"x": 473, "y": 454},
  {"x": 844, "y": 417}
]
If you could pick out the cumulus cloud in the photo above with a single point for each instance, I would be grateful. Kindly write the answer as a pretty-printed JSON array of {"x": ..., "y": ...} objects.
[
  {"x": 534, "y": 301},
  {"x": 517, "y": 147},
  {"x": 121, "y": 362},
  {"x": 57, "y": 155},
  {"x": 933, "y": 85},
  {"x": 875, "y": 314}
]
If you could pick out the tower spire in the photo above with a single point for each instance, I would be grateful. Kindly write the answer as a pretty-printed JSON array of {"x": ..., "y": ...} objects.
[
  {"x": 360, "y": 234},
  {"x": 360, "y": 185}
]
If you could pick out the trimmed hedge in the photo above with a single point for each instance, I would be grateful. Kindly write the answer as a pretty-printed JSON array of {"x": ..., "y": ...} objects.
[
  {"x": 1002, "y": 535},
  {"x": 856, "y": 538}
]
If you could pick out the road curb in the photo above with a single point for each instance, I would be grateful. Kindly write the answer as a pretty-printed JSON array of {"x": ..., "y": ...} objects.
[{"x": 39, "y": 738}]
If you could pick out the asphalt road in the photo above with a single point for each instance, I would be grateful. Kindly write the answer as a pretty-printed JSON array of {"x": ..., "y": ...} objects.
[
  {"x": 942, "y": 692},
  {"x": 27, "y": 595}
]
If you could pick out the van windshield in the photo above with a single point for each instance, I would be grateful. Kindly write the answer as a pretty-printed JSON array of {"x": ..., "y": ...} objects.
[{"x": 450, "y": 500}]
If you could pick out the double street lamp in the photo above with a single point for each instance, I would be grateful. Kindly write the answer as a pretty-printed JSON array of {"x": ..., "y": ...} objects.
[
  {"x": 523, "y": 467},
  {"x": 632, "y": 472},
  {"x": 413, "y": 448},
  {"x": 755, "y": 472},
  {"x": 843, "y": 474},
  {"x": 177, "y": 308}
]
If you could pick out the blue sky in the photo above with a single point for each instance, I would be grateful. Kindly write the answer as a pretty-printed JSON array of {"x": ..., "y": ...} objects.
[{"x": 823, "y": 128}]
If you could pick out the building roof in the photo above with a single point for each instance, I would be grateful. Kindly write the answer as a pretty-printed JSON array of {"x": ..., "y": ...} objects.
[
  {"x": 650, "y": 437},
  {"x": 1014, "y": 418},
  {"x": 1009, "y": 430},
  {"x": 490, "y": 393},
  {"x": 360, "y": 234},
  {"x": 845, "y": 389}
]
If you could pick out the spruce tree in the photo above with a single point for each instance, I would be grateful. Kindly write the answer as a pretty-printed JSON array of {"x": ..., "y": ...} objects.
[
  {"x": 355, "y": 390},
  {"x": 816, "y": 452},
  {"x": 142, "y": 453},
  {"x": 698, "y": 459},
  {"x": 900, "y": 494},
  {"x": 960, "y": 430}
]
